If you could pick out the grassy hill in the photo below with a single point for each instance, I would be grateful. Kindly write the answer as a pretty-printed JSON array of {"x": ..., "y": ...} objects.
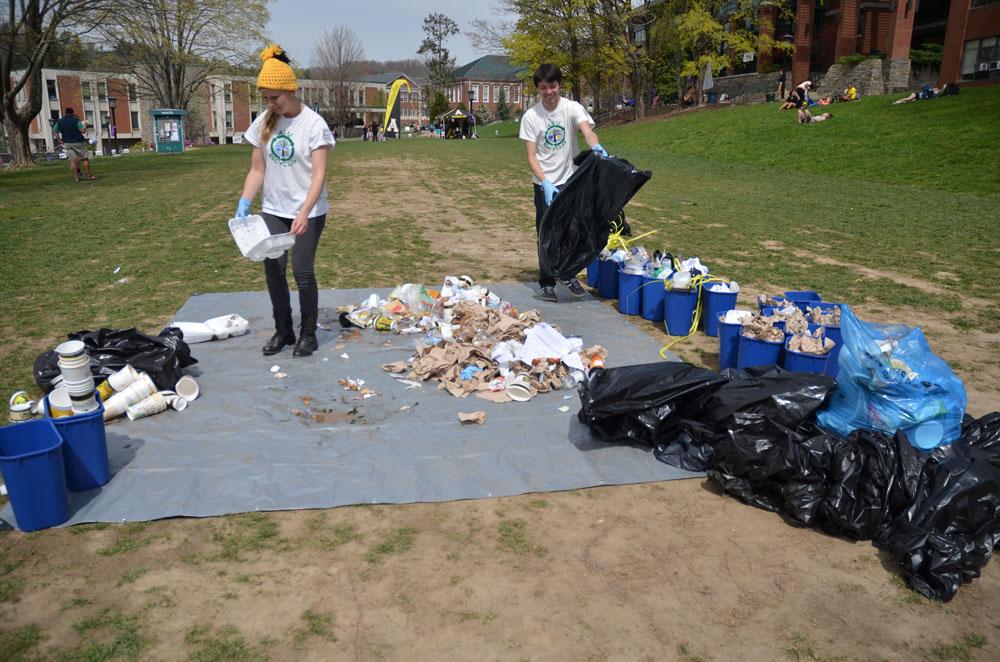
[{"x": 908, "y": 195}]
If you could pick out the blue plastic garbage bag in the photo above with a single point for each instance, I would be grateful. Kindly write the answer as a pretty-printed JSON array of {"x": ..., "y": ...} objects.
[{"x": 890, "y": 380}]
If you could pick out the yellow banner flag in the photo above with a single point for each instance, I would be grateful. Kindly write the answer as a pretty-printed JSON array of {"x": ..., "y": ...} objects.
[{"x": 393, "y": 93}]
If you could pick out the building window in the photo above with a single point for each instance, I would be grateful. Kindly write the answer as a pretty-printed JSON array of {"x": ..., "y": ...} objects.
[
  {"x": 133, "y": 93},
  {"x": 54, "y": 115},
  {"x": 475, "y": 93},
  {"x": 102, "y": 91},
  {"x": 506, "y": 93},
  {"x": 229, "y": 119},
  {"x": 51, "y": 86},
  {"x": 981, "y": 59},
  {"x": 104, "y": 119},
  {"x": 135, "y": 120},
  {"x": 361, "y": 97},
  {"x": 86, "y": 89},
  {"x": 496, "y": 93},
  {"x": 983, "y": 3},
  {"x": 517, "y": 94},
  {"x": 227, "y": 91},
  {"x": 486, "y": 93},
  {"x": 88, "y": 117}
]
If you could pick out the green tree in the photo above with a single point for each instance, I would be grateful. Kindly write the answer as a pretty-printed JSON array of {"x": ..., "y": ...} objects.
[
  {"x": 440, "y": 63},
  {"x": 553, "y": 31},
  {"x": 28, "y": 31},
  {"x": 503, "y": 110},
  {"x": 438, "y": 107}
]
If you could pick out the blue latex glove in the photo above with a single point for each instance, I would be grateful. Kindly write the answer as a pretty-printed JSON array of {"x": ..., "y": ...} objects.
[
  {"x": 599, "y": 150},
  {"x": 550, "y": 191},
  {"x": 243, "y": 208}
]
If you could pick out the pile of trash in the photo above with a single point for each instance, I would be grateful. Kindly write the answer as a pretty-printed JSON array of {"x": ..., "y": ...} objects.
[
  {"x": 755, "y": 434},
  {"x": 473, "y": 342}
]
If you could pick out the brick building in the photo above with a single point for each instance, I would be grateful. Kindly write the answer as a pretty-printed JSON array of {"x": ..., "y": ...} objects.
[
  {"x": 967, "y": 30},
  {"x": 480, "y": 84},
  {"x": 219, "y": 112}
]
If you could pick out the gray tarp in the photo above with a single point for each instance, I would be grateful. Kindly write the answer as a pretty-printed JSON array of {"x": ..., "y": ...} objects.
[{"x": 239, "y": 448}]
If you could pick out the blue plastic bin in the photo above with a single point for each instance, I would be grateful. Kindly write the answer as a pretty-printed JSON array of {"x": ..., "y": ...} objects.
[
  {"x": 678, "y": 307},
  {"x": 592, "y": 270},
  {"x": 31, "y": 461},
  {"x": 800, "y": 362},
  {"x": 653, "y": 291},
  {"x": 834, "y": 334},
  {"x": 607, "y": 279},
  {"x": 759, "y": 352},
  {"x": 729, "y": 343},
  {"x": 761, "y": 306},
  {"x": 629, "y": 293},
  {"x": 85, "y": 448},
  {"x": 714, "y": 303},
  {"x": 803, "y": 298}
]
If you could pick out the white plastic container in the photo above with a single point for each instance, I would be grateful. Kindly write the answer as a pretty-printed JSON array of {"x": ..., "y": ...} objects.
[{"x": 255, "y": 241}]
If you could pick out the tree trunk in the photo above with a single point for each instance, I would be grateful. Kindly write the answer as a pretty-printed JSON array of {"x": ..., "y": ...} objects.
[{"x": 20, "y": 144}]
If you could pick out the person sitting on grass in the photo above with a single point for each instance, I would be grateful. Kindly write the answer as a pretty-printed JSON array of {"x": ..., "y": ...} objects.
[
  {"x": 850, "y": 93},
  {"x": 805, "y": 117},
  {"x": 793, "y": 101}
]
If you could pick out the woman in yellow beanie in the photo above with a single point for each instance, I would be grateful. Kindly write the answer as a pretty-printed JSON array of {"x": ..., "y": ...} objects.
[{"x": 291, "y": 143}]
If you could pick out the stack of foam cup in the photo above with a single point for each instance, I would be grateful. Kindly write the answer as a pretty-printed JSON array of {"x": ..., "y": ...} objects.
[
  {"x": 117, "y": 382},
  {"x": 148, "y": 406},
  {"x": 74, "y": 365},
  {"x": 140, "y": 389}
]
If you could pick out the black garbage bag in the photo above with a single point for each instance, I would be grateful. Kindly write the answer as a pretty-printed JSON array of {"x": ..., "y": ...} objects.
[
  {"x": 951, "y": 527},
  {"x": 764, "y": 400},
  {"x": 163, "y": 356},
  {"x": 635, "y": 404},
  {"x": 872, "y": 479},
  {"x": 950, "y": 532},
  {"x": 576, "y": 225}
]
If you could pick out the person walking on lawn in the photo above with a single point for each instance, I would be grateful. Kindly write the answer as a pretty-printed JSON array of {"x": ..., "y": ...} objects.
[
  {"x": 291, "y": 143},
  {"x": 70, "y": 130},
  {"x": 548, "y": 130}
]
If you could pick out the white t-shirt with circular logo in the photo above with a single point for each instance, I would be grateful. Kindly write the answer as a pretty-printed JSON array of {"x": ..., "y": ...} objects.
[
  {"x": 554, "y": 135},
  {"x": 288, "y": 154}
]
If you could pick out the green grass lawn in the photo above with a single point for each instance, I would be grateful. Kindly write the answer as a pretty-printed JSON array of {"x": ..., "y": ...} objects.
[{"x": 911, "y": 190}]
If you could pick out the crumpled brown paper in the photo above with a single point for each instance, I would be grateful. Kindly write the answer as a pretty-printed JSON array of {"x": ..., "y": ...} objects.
[
  {"x": 762, "y": 328},
  {"x": 477, "y": 417},
  {"x": 811, "y": 343}
]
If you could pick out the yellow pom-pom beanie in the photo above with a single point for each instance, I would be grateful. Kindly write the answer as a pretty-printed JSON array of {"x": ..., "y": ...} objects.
[{"x": 276, "y": 74}]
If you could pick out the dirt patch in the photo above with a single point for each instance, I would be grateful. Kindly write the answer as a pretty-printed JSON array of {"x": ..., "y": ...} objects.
[{"x": 772, "y": 245}]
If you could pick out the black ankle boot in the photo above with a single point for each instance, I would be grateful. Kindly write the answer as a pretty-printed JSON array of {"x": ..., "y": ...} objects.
[
  {"x": 307, "y": 337},
  {"x": 283, "y": 333}
]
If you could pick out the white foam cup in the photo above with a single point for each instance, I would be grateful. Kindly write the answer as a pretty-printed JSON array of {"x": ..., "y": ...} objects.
[
  {"x": 80, "y": 387},
  {"x": 133, "y": 393},
  {"x": 187, "y": 388},
  {"x": 149, "y": 406},
  {"x": 121, "y": 379},
  {"x": 520, "y": 389},
  {"x": 76, "y": 368},
  {"x": 82, "y": 404},
  {"x": 70, "y": 348},
  {"x": 59, "y": 403}
]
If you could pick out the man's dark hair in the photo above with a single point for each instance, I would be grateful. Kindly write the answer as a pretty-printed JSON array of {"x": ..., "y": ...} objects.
[
  {"x": 69, "y": 111},
  {"x": 548, "y": 73}
]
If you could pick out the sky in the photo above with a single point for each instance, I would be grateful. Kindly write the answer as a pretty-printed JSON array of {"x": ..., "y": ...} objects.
[{"x": 389, "y": 29}]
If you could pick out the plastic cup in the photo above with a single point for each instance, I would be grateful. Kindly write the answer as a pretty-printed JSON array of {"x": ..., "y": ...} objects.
[
  {"x": 154, "y": 404},
  {"x": 70, "y": 348},
  {"x": 121, "y": 379},
  {"x": 187, "y": 388}
]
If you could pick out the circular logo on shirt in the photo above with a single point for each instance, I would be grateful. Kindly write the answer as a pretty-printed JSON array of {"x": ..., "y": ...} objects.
[
  {"x": 283, "y": 149},
  {"x": 555, "y": 136}
]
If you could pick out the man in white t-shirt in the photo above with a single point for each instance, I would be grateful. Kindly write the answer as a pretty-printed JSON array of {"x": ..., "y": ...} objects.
[{"x": 548, "y": 130}]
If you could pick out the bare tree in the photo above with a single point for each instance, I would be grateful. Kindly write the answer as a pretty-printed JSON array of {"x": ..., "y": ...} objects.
[
  {"x": 488, "y": 36},
  {"x": 28, "y": 30},
  {"x": 170, "y": 46},
  {"x": 338, "y": 57}
]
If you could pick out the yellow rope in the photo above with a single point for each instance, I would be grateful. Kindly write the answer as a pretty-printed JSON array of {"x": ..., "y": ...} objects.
[{"x": 696, "y": 281}]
